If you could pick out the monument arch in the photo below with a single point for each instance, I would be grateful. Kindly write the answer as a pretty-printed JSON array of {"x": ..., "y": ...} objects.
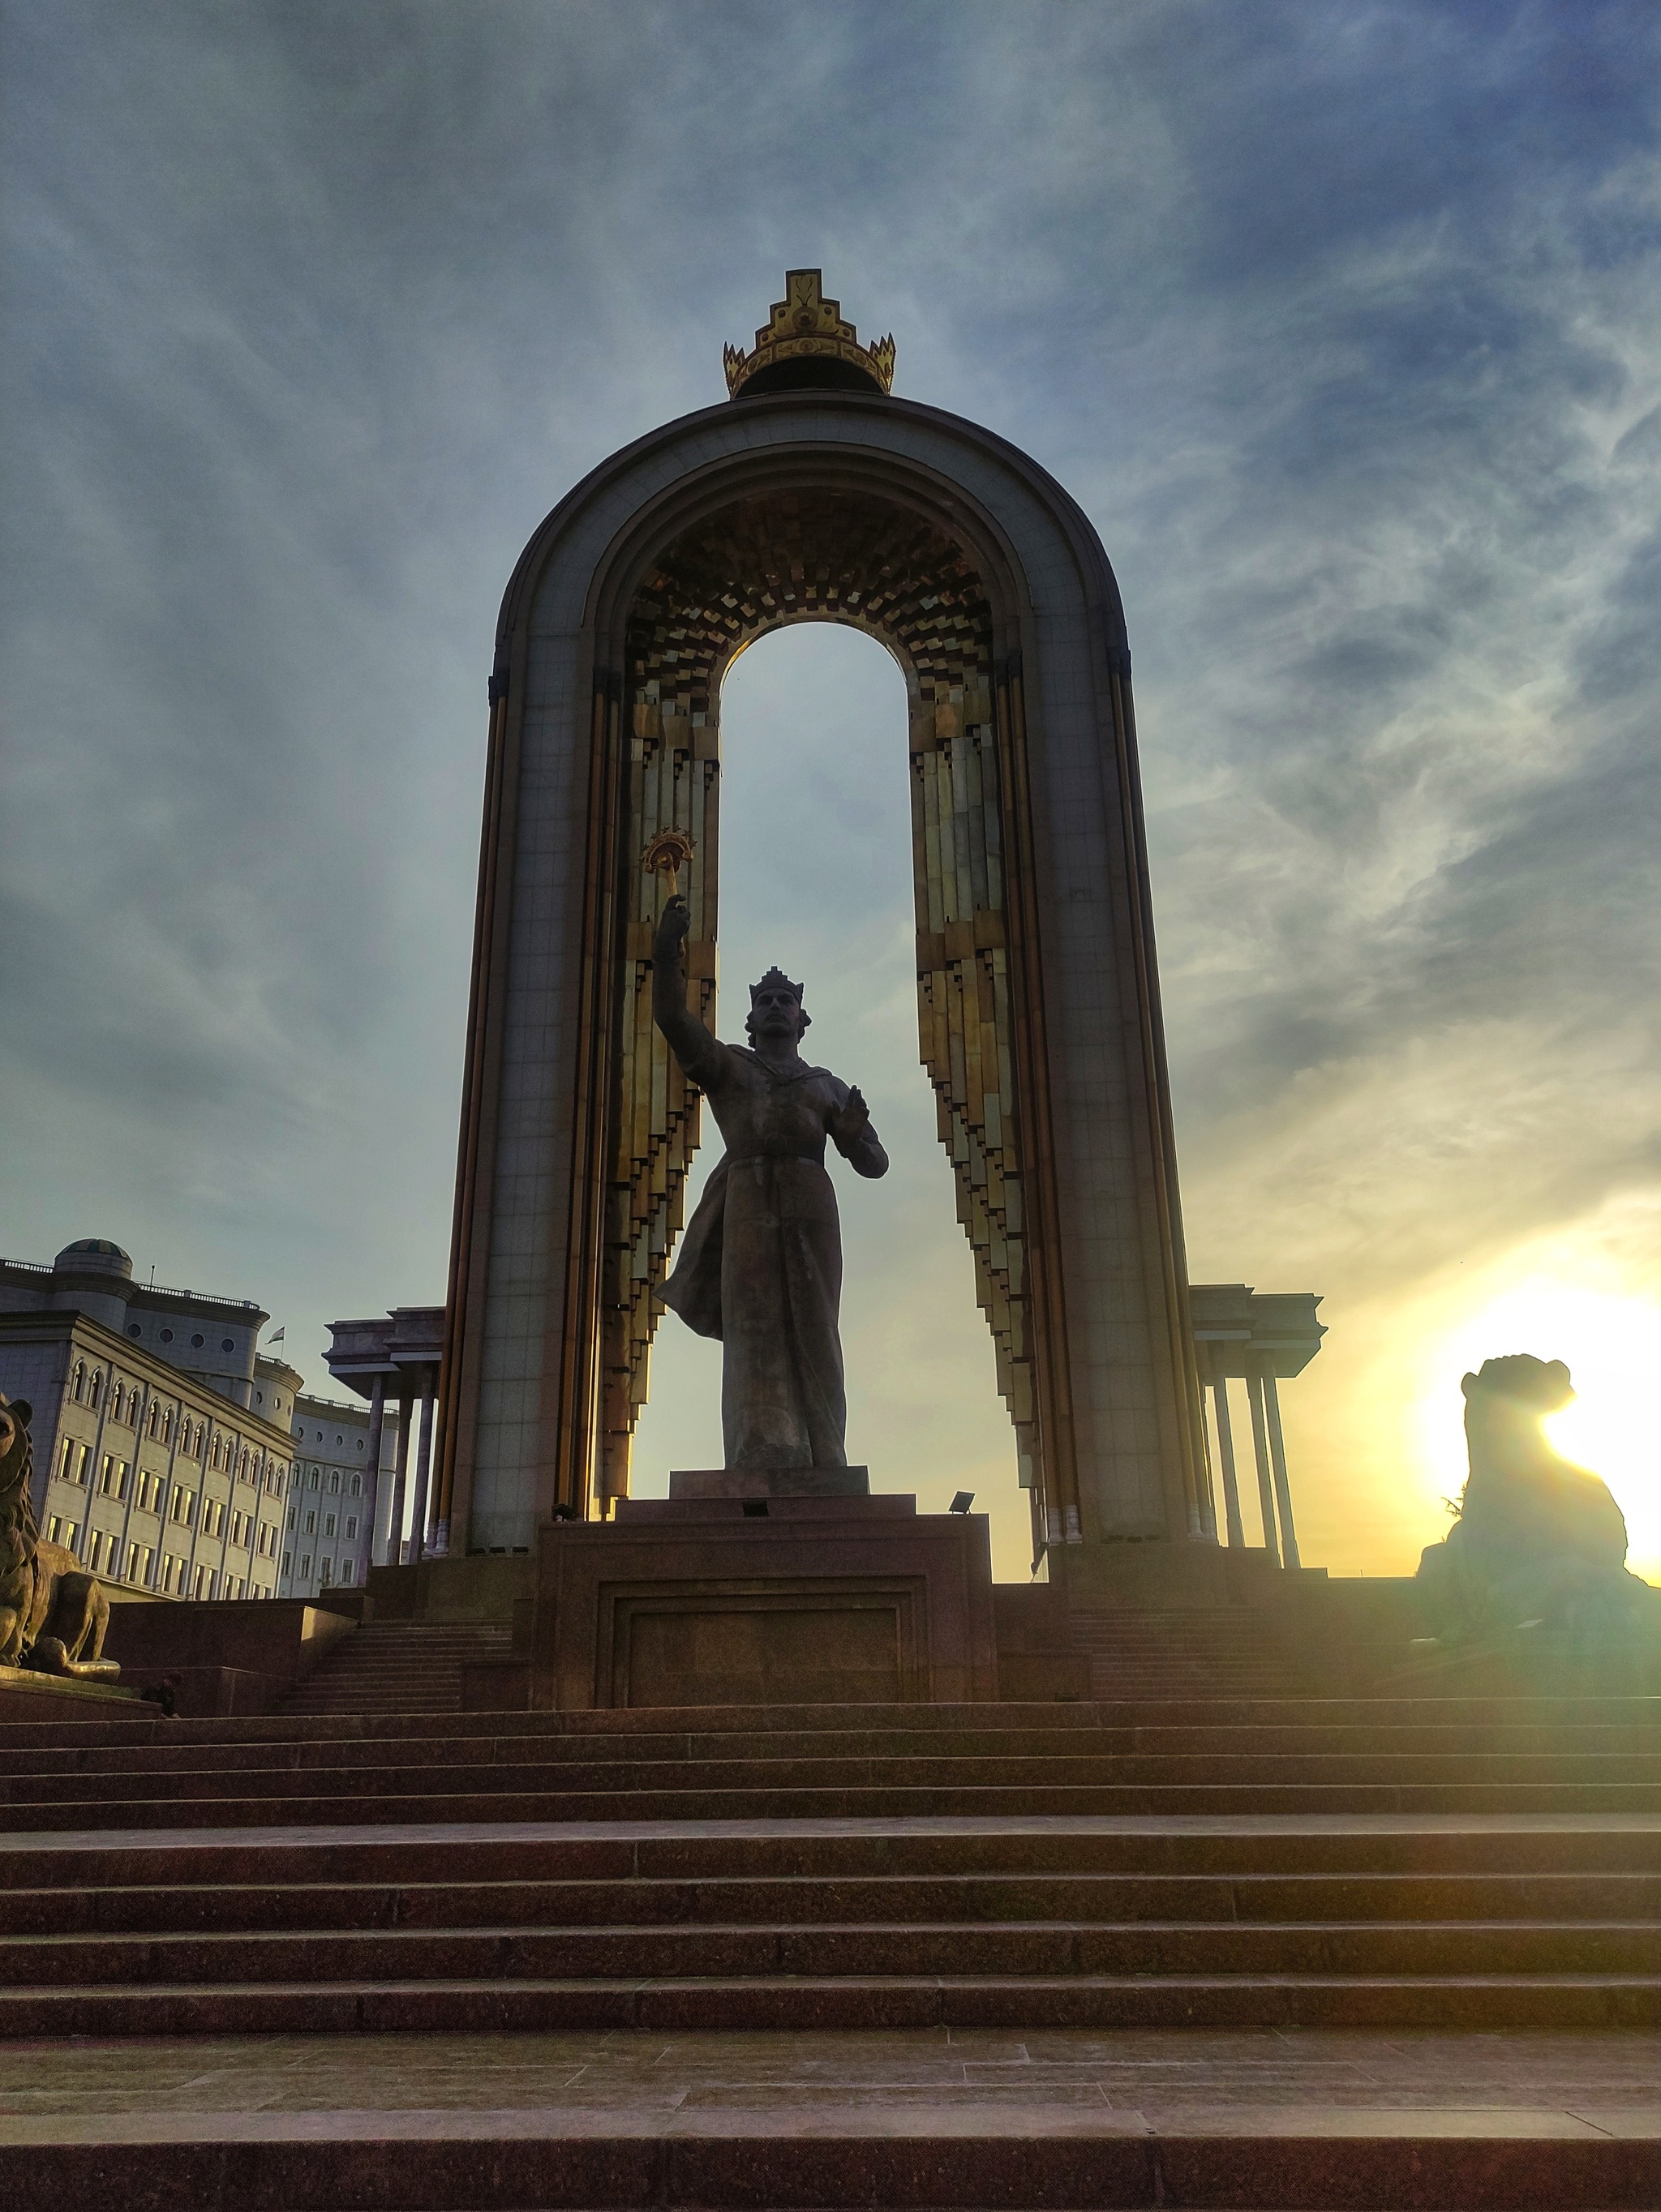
[{"x": 1039, "y": 1005}]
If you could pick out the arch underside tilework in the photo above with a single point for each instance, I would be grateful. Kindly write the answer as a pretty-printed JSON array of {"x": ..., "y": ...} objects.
[
  {"x": 1038, "y": 1014},
  {"x": 759, "y": 565}
]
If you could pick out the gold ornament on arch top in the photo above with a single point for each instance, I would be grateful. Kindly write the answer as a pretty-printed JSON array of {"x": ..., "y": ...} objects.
[
  {"x": 764, "y": 563},
  {"x": 804, "y": 331}
]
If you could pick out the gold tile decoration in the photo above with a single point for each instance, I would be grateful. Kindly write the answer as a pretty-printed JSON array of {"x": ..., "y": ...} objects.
[{"x": 753, "y": 568}]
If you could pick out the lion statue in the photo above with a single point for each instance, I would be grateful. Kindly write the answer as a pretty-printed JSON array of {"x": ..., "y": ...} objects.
[
  {"x": 1536, "y": 1541},
  {"x": 53, "y": 1615}
]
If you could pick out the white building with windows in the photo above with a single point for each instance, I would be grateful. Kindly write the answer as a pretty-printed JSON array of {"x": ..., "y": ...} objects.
[
  {"x": 171, "y": 1453},
  {"x": 328, "y": 1531},
  {"x": 150, "y": 1476}
]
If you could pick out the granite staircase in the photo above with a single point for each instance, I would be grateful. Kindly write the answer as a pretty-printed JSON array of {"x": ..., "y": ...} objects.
[
  {"x": 1086, "y": 1869},
  {"x": 397, "y": 1667}
]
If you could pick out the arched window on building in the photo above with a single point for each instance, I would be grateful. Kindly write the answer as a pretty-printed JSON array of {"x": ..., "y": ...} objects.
[
  {"x": 79, "y": 1383},
  {"x": 242, "y": 1471},
  {"x": 357, "y": 1486},
  {"x": 166, "y": 1426},
  {"x": 97, "y": 1390},
  {"x": 155, "y": 1421},
  {"x": 115, "y": 1401}
]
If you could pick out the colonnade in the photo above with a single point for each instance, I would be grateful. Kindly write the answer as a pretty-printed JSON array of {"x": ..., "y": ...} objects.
[
  {"x": 395, "y": 1359},
  {"x": 390, "y": 1493},
  {"x": 1257, "y": 1339}
]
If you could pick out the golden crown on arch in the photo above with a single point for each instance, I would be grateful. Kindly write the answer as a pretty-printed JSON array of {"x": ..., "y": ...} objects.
[{"x": 806, "y": 343}]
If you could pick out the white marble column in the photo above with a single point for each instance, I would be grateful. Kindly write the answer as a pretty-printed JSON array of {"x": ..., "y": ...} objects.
[
  {"x": 1277, "y": 1453},
  {"x": 423, "y": 1467},
  {"x": 1225, "y": 1454},
  {"x": 400, "y": 1472},
  {"x": 377, "y": 1430},
  {"x": 1265, "y": 1478}
]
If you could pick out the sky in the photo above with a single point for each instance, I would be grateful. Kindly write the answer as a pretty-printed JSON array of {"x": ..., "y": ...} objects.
[{"x": 1341, "y": 320}]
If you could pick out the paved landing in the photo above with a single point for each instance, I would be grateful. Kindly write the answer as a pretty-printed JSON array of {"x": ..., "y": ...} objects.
[
  {"x": 380, "y": 1832},
  {"x": 1555, "y": 2081}
]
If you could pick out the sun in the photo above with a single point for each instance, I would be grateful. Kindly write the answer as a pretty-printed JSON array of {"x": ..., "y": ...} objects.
[{"x": 1612, "y": 1346}]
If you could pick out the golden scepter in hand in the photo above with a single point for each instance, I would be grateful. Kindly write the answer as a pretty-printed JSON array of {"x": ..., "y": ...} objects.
[{"x": 666, "y": 854}]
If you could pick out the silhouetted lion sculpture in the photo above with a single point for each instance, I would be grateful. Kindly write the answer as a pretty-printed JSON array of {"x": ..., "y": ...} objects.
[
  {"x": 52, "y": 1614},
  {"x": 1538, "y": 1542}
]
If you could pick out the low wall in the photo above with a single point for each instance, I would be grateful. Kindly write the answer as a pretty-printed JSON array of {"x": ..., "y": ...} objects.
[{"x": 222, "y": 1655}]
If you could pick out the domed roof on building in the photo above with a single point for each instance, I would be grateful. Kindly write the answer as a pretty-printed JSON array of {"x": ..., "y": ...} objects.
[{"x": 95, "y": 1252}]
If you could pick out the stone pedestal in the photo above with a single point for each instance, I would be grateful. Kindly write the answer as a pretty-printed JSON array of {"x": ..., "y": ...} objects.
[{"x": 764, "y": 1599}]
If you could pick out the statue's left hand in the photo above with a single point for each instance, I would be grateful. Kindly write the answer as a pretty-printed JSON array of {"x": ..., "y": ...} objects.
[{"x": 851, "y": 1117}]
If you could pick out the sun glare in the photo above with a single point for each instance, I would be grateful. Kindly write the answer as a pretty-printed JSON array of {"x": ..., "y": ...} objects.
[{"x": 1612, "y": 1347}]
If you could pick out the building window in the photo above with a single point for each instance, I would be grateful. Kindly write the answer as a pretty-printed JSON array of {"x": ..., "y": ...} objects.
[
  {"x": 79, "y": 1383},
  {"x": 288, "y": 1562},
  {"x": 132, "y": 1563},
  {"x": 96, "y": 1552},
  {"x": 242, "y": 1466},
  {"x": 334, "y": 1483},
  {"x": 54, "y": 1527},
  {"x": 201, "y": 1578},
  {"x": 293, "y": 1512},
  {"x": 349, "y": 1572},
  {"x": 132, "y": 1329},
  {"x": 147, "y": 1566},
  {"x": 71, "y": 1531},
  {"x": 351, "y": 1526},
  {"x": 328, "y": 1524},
  {"x": 304, "y": 1565},
  {"x": 166, "y": 1426},
  {"x": 197, "y": 1343},
  {"x": 169, "y": 1565},
  {"x": 357, "y": 1486},
  {"x": 154, "y": 1420},
  {"x": 167, "y": 1336},
  {"x": 311, "y": 1524},
  {"x": 311, "y": 1480},
  {"x": 66, "y": 1461},
  {"x": 96, "y": 1387},
  {"x": 325, "y": 1573},
  {"x": 228, "y": 1344}
]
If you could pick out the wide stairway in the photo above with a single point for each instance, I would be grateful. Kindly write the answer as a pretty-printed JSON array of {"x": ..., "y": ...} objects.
[
  {"x": 396, "y": 1666},
  {"x": 1088, "y": 1870}
]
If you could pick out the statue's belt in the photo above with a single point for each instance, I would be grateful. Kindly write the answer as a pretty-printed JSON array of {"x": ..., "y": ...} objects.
[{"x": 769, "y": 1159}]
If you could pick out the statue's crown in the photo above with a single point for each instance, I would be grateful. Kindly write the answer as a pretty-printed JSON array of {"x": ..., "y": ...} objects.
[
  {"x": 776, "y": 980},
  {"x": 806, "y": 343}
]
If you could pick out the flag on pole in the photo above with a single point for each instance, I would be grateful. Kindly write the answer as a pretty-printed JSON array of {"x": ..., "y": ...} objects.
[{"x": 275, "y": 1337}]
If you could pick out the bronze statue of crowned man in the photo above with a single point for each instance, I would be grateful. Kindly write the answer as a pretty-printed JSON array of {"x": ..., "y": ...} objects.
[{"x": 760, "y": 1265}]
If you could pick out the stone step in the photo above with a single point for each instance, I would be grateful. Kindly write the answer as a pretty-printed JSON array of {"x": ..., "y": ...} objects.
[
  {"x": 98, "y": 1809},
  {"x": 1230, "y": 1900},
  {"x": 183, "y": 1748},
  {"x": 1480, "y": 2003},
  {"x": 91, "y": 1779},
  {"x": 1050, "y": 1951},
  {"x": 626, "y": 1852},
  {"x": 942, "y": 1722},
  {"x": 1301, "y": 2159}
]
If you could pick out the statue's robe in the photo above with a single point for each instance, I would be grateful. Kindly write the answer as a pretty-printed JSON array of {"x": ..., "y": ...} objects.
[{"x": 760, "y": 1264}]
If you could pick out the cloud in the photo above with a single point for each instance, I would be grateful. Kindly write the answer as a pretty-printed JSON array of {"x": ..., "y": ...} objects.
[{"x": 1341, "y": 321}]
